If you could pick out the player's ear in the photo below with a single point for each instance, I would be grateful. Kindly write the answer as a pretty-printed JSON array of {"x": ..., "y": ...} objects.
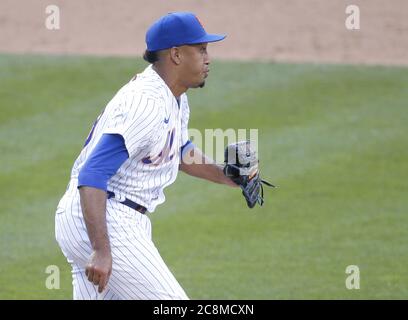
[{"x": 175, "y": 55}]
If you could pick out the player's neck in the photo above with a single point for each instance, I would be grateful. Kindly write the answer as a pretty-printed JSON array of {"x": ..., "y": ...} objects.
[{"x": 171, "y": 81}]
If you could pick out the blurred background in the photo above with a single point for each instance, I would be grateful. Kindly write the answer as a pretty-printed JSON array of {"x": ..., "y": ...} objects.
[{"x": 330, "y": 105}]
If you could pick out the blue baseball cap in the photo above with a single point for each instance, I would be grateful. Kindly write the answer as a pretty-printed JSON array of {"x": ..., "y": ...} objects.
[{"x": 177, "y": 29}]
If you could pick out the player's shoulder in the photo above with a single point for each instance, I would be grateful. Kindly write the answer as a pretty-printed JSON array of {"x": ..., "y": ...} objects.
[
  {"x": 134, "y": 102},
  {"x": 149, "y": 84},
  {"x": 140, "y": 90}
]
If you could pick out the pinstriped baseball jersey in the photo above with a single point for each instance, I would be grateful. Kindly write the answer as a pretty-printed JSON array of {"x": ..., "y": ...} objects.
[{"x": 154, "y": 126}]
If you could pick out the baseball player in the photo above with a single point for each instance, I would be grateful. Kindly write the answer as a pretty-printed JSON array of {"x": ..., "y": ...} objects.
[{"x": 134, "y": 150}]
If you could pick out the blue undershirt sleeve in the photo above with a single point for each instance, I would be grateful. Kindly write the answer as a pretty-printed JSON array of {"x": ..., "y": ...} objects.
[
  {"x": 103, "y": 162},
  {"x": 186, "y": 148}
]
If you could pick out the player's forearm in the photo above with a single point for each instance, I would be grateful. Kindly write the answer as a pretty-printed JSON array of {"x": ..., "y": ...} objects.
[
  {"x": 200, "y": 166},
  {"x": 93, "y": 204},
  {"x": 210, "y": 172}
]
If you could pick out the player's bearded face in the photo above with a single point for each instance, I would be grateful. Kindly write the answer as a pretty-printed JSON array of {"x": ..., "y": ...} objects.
[{"x": 197, "y": 65}]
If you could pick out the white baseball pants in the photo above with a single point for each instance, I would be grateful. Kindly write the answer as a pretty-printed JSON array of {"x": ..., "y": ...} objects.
[{"x": 138, "y": 271}]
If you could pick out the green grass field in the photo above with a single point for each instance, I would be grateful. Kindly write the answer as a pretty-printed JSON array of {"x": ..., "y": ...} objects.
[{"x": 334, "y": 138}]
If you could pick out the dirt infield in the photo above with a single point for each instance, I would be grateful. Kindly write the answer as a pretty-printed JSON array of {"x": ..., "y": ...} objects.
[{"x": 273, "y": 30}]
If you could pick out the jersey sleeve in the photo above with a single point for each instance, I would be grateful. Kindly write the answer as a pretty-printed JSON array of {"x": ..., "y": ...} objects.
[
  {"x": 103, "y": 162},
  {"x": 185, "y": 116},
  {"x": 136, "y": 118}
]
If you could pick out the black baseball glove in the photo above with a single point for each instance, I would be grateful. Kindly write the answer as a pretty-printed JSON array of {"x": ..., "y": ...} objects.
[{"x": 241, "y": 166}]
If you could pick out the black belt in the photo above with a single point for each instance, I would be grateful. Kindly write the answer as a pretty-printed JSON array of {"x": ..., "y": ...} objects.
[{"x": 129, "y": 203}]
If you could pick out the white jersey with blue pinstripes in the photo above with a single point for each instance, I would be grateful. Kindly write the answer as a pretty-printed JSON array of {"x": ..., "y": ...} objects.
[{"x": 154, "y": 127}]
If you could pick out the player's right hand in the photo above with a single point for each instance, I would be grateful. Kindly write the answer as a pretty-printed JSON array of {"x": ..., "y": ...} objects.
[{"x": 99, "y": 268}]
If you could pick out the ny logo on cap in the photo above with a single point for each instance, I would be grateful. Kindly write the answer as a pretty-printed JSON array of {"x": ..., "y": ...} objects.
[{"x": 199, "y": 21}]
